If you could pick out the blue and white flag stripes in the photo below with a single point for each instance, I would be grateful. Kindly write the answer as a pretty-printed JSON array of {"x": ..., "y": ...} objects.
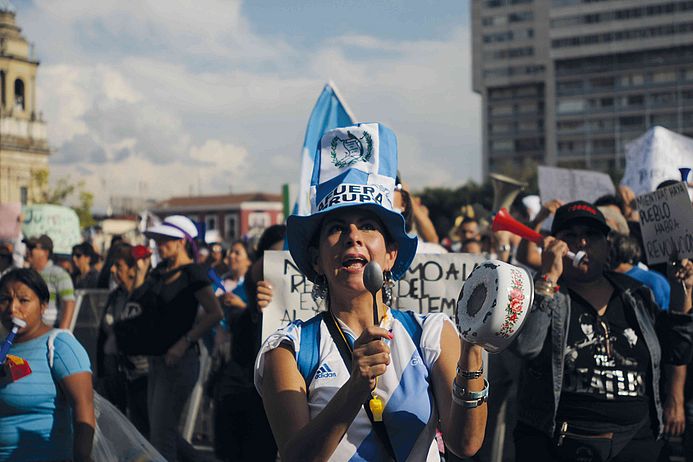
[{"x": 329, "y": 112}]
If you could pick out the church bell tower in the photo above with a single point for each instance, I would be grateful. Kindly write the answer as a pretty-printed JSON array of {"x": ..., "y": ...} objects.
[{"x": 24, "y": 147}]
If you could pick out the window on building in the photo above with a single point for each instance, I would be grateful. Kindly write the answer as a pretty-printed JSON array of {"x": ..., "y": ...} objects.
[
  {"x": 687, "y": 74},
  {"x": 602, "y": 83},
  {"x": 211, "y": 222},
  {"x": 570, "y": 105},
  {"x": 502, "y": 145},
  {"x": 500, "y": 127},
  {"x": 632, "y": 122},
  {"x": 528, "y": 144},
  {"x": 3, "y": 90},
  {"x": 569, "y": 86},
  {"x": 664, "y": 98},
  {"x": 259, "y": 220},
  {"x": 664, "y": 77},
  {"x": 500, "y": 93},
  {"x": 19, "y": 94},
  {"x": 604, "y": 146},
  {"x": 600, "y": 124},
  {"x": 501, "y": 109},
  {"x": 570, "y": 125},
  {"x": 632, "y": 80},
  {"x": 669, "y": 121},
  {"x": 24, "y": 195},
  {"x": 635, "y": 100},
  {"x": 231, "y": 227},
  {"x": 571, "y": 147}
]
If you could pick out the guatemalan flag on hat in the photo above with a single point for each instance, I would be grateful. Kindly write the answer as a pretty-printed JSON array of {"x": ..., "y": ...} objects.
[{"x": 356, "y": 166}]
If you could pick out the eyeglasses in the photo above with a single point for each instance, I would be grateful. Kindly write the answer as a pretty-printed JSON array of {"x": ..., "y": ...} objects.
[{"x": 77, "y": 255}]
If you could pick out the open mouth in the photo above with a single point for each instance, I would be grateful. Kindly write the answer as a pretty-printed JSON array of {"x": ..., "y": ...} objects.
[{"x": 354, "y": 262}]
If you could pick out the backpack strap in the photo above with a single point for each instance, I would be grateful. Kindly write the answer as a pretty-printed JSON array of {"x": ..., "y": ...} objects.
[
  {"x": 411, "y": 325},
  {"x": 309, "y": 352},
  {"x": 51, "y": 344}
]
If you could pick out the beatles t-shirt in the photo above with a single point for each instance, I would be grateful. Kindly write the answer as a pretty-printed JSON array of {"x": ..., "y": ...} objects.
[{"x": 606, "y": 366}]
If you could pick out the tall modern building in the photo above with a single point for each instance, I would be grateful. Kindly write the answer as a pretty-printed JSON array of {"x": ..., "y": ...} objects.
[
  {"x": 570, "y": 82},
  {"x": 23, "y": 144}
]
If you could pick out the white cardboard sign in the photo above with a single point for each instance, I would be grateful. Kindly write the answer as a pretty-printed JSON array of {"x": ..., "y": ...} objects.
[
  {"x": 570, "y": 185},
  {"x": 666, "y": 221},
  {"x": 431, "y": 285}
]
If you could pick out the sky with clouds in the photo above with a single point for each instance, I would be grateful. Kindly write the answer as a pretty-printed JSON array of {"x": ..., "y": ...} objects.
[{"x": 167, "y": 97}]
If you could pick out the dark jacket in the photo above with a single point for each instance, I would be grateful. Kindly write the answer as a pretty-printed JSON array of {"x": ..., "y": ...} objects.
[{"x": 543, "y": 340}]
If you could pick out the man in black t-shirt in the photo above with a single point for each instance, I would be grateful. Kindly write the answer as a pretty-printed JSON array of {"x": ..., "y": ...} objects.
[{"x": 594, "y": 344}]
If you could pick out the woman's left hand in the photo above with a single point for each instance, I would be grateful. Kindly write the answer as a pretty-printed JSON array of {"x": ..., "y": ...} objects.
[{"x": 176, "y": 352}]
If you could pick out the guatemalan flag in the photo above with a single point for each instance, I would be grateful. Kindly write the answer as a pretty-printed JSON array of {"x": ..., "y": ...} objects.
[{"x": 329, "y": 112}]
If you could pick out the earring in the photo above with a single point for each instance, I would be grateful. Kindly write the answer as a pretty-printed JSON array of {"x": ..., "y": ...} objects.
[
  {"x": 388, "y": 284},
  {"x": 319, "y": 292}
]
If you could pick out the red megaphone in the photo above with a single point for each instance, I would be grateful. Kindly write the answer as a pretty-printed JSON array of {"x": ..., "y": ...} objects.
[{"x": 504, "y": 222}]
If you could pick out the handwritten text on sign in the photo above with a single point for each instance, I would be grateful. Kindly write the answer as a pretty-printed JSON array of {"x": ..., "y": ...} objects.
[
  {"x": 431, "y": 285},
  {"x": 59, "y": 223},
  {"x": 666, "y": 221}
]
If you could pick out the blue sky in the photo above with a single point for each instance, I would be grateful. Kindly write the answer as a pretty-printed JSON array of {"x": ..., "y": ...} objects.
[{"x": 165, "y": 97}]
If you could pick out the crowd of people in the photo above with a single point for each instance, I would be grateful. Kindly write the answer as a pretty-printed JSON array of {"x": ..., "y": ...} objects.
[{"x": 599, "y": 371}]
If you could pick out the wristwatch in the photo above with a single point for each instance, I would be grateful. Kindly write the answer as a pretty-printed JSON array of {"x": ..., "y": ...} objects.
[{"x": 189, "y": 339}]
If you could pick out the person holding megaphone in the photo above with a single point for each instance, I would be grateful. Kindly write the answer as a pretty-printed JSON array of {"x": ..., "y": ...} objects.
[
  {"x": 595, "y": 342},
  {"x": 362, "y": 381}
]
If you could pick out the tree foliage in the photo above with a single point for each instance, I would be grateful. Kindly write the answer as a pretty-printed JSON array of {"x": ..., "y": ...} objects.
[
  {"x": 445, "y": 204},
  {"x": 62, "y": 192}
]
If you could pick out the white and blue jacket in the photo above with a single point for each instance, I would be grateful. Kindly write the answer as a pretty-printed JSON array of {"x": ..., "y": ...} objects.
[{"x": 410, "y": 414}]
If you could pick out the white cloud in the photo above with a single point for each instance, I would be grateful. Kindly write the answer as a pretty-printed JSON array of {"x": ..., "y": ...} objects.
[{"x": 176, "y": 94}]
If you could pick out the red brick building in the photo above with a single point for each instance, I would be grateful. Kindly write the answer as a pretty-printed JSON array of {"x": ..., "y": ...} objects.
[{"x": 232, "y": 215}]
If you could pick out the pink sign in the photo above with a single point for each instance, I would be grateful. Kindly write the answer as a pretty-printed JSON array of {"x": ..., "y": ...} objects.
[{"x": 9, "y": 220}]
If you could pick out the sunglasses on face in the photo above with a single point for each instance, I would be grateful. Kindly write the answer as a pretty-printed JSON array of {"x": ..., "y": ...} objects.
[{"x": 77, "y": 255}]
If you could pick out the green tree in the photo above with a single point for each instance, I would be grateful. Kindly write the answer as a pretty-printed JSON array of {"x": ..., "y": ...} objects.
[{"x": 63, "y": 190}]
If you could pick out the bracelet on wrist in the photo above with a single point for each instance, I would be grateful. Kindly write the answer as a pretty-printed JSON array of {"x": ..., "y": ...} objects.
[
  {"x": 470, "y": 375},
  {"x": 469, "y": 399}
]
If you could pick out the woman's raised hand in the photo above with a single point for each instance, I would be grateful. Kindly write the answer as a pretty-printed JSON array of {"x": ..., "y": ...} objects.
[
  {"x": 264, "y": 294},
  {"x": 370, "y": 358}
]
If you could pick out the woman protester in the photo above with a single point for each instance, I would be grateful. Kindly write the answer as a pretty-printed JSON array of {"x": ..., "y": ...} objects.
[
  {"x": 595, "y": 342},
  {"x": 123, "y": 377},
  {"x": 238, "y": 412},
  {"x": 365, "y": 382},
  {"x": 47, "y": 415},
  {"x": 239, "y": 261},
  {"x": 170, "y": 297},
  {"x": 84, "y": 258}
]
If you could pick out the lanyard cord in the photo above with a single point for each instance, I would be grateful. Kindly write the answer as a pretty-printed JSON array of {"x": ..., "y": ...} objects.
[{"x": 348, "y": 345}]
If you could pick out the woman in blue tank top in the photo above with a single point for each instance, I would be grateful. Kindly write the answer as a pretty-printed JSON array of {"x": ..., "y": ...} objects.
[{"x": 365, "y": 382}]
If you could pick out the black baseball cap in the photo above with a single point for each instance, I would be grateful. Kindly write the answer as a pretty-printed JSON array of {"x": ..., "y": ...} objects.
[{"x": 579, "y": 212}]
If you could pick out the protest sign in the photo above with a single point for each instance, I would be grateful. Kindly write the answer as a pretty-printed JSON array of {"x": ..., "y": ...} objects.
[
  {"x": 431, "y": 285},
  {"x": 59, "y": 223},
  {"x": 666, "y": 221},
  {"x": 654, "y": 157},
  {"x": 569, "y": 185},
  {"x": 9, "y": 220}
]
